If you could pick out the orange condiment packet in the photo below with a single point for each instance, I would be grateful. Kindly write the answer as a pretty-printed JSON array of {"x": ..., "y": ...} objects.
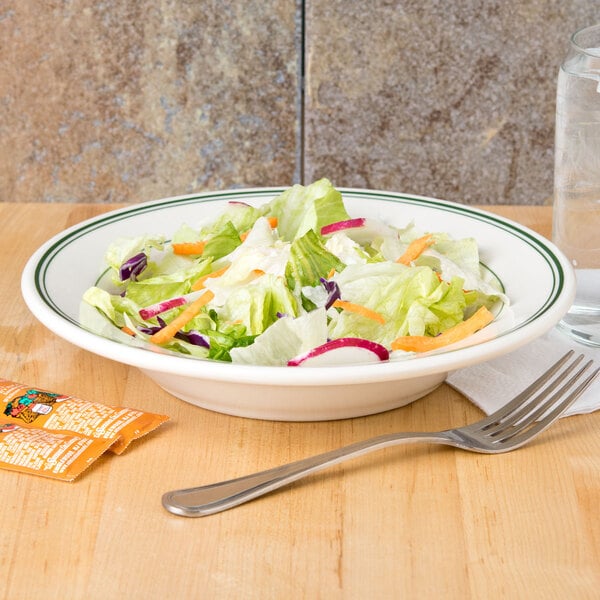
[
  {"x": 38, "y": 427},
  {"x": 49, "y": 453}
]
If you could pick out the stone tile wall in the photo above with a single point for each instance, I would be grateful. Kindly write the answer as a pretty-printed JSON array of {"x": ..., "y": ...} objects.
[{"x": 111, "y": 101}]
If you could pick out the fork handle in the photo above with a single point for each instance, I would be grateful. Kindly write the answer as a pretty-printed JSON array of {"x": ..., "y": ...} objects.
[{"x": 216, "y": 497}]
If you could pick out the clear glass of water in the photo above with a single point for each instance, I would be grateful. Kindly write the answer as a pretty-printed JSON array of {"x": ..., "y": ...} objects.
[{"x": 576, "y": 221}]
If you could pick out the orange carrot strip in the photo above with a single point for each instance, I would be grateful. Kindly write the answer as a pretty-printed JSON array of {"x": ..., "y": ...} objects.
[
  {"x": 199, "y": 283},
  {"x": 423, "y": 343},
  {"x": 189, "y": 248},
  {"x": 166, "y": 333},
  {"x": 359, "y": 309},
  {"x": 257, "y": 273},
  {"x": 330, "y": 274},
  {"x": 415, "y": 249},
  {"x": 128, "y": 330}
]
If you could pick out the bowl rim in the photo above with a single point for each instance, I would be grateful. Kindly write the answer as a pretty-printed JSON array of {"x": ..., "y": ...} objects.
[{"x": 451, "y": 359}]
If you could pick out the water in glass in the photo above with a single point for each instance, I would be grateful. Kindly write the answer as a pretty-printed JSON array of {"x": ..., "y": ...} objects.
[{"x": 576, "y": 225}]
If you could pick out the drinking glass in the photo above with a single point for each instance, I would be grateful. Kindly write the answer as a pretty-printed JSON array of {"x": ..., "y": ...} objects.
[{"x": 576, "y": 220}]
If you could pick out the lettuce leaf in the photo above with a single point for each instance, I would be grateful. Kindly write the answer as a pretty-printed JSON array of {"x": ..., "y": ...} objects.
[
  {"x": 154, "y": 289},
  {"x": 113, "y": 306},
  {"x": 222, "y": 242},
  {"x": 309, "y": 261},
  {"x": 238, "y": 215},
  {"x": 300, "y": 209},
  {"x": 258, "y": 304},
  {"x": 286, "y": 338},
  {"x": 412, "y": 300}
]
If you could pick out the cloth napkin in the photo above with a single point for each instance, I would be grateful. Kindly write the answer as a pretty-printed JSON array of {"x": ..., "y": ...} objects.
[{"x": 492, "y": 384}]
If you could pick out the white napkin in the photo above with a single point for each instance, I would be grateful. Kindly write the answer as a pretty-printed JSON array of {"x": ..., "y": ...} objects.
[{"x": 492, "y": 384}]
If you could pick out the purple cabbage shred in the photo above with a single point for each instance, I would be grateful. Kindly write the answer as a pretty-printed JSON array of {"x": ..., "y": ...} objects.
[
  {"x": 133, "y": 266},
  {"x": 333, "y": 291},
  {"x": 193, "y": 337},
  {"x": 152, "y": 330}
]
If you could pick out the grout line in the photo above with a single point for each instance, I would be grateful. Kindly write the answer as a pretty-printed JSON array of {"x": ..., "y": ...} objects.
[{"x": 300, "y": 39}]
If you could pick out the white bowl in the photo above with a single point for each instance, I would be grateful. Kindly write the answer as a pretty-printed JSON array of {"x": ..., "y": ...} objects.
[{"x": 537, "y": 278}]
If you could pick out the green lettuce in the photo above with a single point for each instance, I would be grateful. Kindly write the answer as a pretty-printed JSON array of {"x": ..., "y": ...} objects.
[
  {"x": 240, "y": 216},
  {"x": 224, "y": 241},
  {"x": 310, "y": 260},
  {"x": 300, "y": 209},
  {"x": 412, "y": 300},
  {"x": 145, "y": 292},
  {"x": 285, "y": 339},
  {"x": 113, "y": 306},
  {"x": 259, "y": 304},
  {"x": 268, "y": 306}
]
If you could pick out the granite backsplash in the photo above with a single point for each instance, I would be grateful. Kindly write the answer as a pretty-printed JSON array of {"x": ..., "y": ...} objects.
[{"x": 111, "y": 101}]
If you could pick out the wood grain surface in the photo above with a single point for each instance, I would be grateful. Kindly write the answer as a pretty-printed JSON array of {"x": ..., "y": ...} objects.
[{"x": 409, "y": 522}]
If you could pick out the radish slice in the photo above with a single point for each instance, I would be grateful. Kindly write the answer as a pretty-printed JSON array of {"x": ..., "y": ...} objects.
[
  {"x": 342, "y": 351},
  {"x": 160, "y": 307},
  {"x": 362, "y": 231},
  {"x": 342, "y": 225}
]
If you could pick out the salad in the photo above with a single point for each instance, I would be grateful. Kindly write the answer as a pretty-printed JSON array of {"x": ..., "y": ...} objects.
[{"x": 296, "y": 281}]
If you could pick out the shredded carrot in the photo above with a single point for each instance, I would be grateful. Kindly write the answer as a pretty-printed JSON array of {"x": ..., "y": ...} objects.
[
  {"x": 199, "y": 283},
  {"x": 415, "y": 249},
  {"x": 128, "y": 330},
  {"x": 330, "y": 274},
  {"x": 423, "y": 343},
  {"x": 189, "y": 247},
  {"x": 255, "y": 273},
  {"x": 359, "y": 309},
  {"x": 168, "y": 332},
  {"x": 272, "y": 223}
]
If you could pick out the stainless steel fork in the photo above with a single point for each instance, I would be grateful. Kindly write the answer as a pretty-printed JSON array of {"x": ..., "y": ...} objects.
[{"x": 515, "y": 424}]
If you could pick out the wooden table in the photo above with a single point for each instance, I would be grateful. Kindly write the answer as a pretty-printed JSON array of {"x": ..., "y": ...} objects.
[{"x": 409, "y": 522}]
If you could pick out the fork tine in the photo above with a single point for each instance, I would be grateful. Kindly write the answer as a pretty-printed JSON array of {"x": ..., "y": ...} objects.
[
  {"x": 529, "y": 429},
  {"x": 526, "y": 394},
  {"x": 534, "y": 407},
  {"x": 538, "y": 407}
]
